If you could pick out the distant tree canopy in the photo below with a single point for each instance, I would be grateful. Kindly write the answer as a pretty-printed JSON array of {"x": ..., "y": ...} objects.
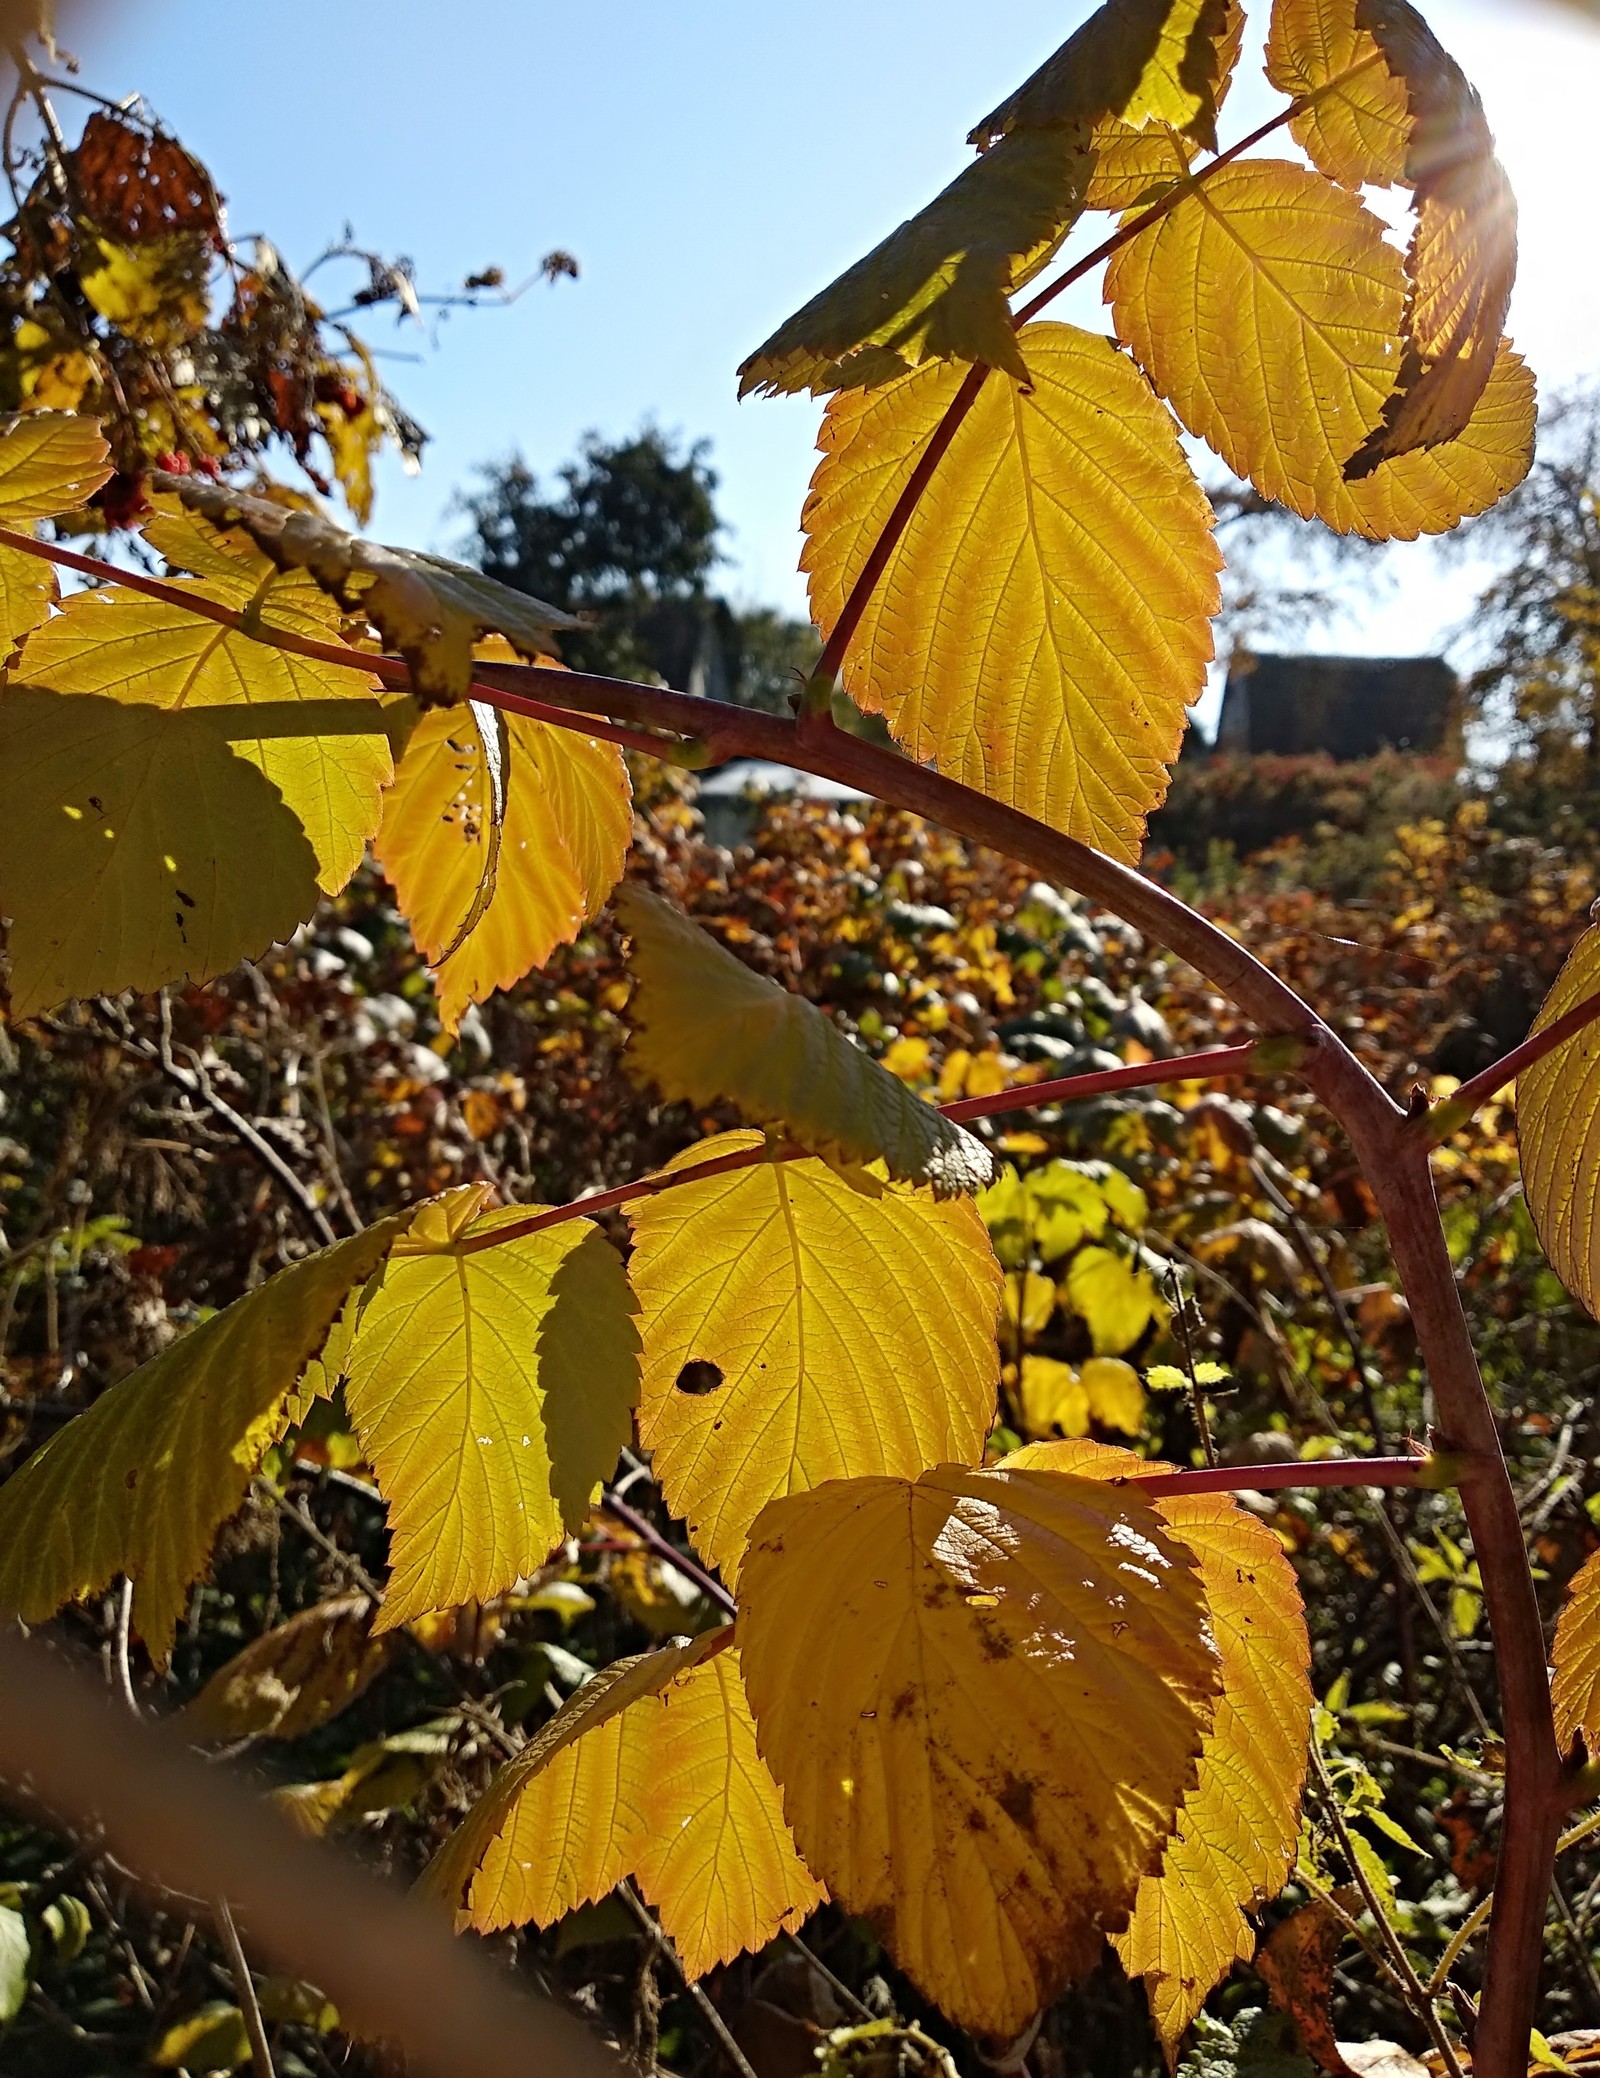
[
  {"x": 1539, "y": 618},
  {"x": 631, "y": 537}
]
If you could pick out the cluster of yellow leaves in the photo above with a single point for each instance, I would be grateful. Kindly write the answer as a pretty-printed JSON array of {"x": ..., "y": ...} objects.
[
  {"x": 182, "y": 777},
  {"x": 1041, "y": 623}
]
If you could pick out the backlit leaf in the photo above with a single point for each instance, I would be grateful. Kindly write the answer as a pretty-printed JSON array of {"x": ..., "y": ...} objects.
[
  {"x": 1558, "y": 1101},
  {"x": 567, "y": 825},
  {"x": 1139, "y": 61},
  {"x": 1267, "y": 306},
  {"x": 125, "y": 646},
  {"x": 1053, "y": 1398},
  {"x": 1575, "y": 1658},
  {"x": 1006, "y": 1679},
  {"x": 141, "y": 1482},
  {"x": 427, "y": 608},
  {"x": 294, "y": 1677},
  {"x": 28, "y": 590},
  {"x": 136, "y": 848},
  {"x": 50, "y": 461},
  {"x": 936, "y": 289},
  {"x": 1236, "y": 1834},
  {"x": 852, "y": 1323},
  {"x": 708, "y": 1029},
  {"x": 1357, "y": 126},
  {"x": 1462, "y": 260},
  {"x": 491, "y": 1390},
  {"x": 650, "y": 1770},
  {"x": 1043, "y": 622}
]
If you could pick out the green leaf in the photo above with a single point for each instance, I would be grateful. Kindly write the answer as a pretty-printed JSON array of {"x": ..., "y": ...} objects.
[
  {"x": 141, "y": 1483},
  {"x": 213, "y": 2039},
  {"x": 429, "y": 609},
  {"x": 708, "y": 1029},
  {"x": 15, "y": 1974},
  {"x": 1136, "y": 62},
  {"x": 936, "y": 288},
  {"x": 136, "y": 848}
]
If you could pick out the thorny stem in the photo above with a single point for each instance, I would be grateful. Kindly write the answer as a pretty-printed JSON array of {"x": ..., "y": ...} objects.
[
  {"x": 244, "y": 1984},
  {"x": 1267, "y": 1479}
]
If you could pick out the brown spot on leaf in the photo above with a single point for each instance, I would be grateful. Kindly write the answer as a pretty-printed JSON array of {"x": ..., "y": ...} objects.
[{"x": 1016, "y": 1800}]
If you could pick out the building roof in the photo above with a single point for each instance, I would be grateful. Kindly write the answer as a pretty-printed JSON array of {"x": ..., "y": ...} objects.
[{"x": 1348, "y": 707}]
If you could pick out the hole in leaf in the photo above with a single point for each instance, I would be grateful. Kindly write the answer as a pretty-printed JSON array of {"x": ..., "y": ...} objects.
[{"x": 698, "y": 1378}]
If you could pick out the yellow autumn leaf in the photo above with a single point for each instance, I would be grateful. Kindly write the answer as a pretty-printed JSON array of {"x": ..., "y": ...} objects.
[
  {"x": 775, "y": 1056},
  {"x": 850, "y": 1322},
  {"x": 1462, "y": 259},
  {"x": 28, "y": 590},
  {"x": 1235, "y": 1840},
  {"x": 427, "y": 608},
  {"x": 1135, "y": 61},
  {"x": 1043, "y": 623},
  {"x": 154, "y": 291},
  {"x": 1053, "y": 1398},
  {"x": 1115, "y": 1394},
  {"x": 50, "y": 461},
  {"x": 1118, "y": 1299},
  {"x": 1131, "y": 167},
  {"x": 936, "y": 288},
  {"x": 1007, "y": 1677},
  {"x": 321, "y": 740},
  {"x": 1558, "y": 1101},
  {"x": 136, "y": 849},
  {"x": 491, "y": 1389},
  {"x": 1267, "y": 308},
  {"x": 294, "y": 1677},
  {"x": 1029, "y": 1299},
  {"x": 651, "y": 1771},
  {"x": 1575, "y": 1661},
  {"x": 142, "y": 1481},
  {"x": 1355, "y": 124},
  {"x": 566, "y": 827}
]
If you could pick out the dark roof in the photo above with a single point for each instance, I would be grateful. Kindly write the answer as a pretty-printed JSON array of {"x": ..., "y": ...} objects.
[{"x": 1350, "y": 707}]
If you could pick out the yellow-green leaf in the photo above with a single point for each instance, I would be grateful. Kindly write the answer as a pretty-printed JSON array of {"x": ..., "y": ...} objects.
[
  {"x": 1043, "y": 623},
  {"x": 50, "y": 461},
  {"x": 936, "y": 288},
  {"x": 650, "y": 1770},
  {"x": 1138, "y": 61},
  {"x": 850, "y": 1322},
  {"x": 429, "y": 609},
  {"x": 491, "y": 1389},
  {"x": 322, "y": 740},
  {"x": 1235, "y": 1839},
  {"x": 1115, "y": 1394},
  {"x": 1575, "y": 1658},
  {"x": 141, "y": 1482},
  {"x": 213, "y": 2038},
  {"x": 1006, "y": 1680},
  {"x": 1117, "y": 1298},
  {"x": 1558, "y": 1101},
  {"x": 708, "y": 1029},
  {"x": 1052, "y": 1398},
  {"x": 565, "y": 831},
  {"x": 136, "y": 848},
  {"x": 294, "y": 1677},
  {"x": 1267, "y": 307}
]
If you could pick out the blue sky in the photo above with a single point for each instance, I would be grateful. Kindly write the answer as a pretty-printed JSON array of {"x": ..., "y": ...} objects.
[{"x": 711, "y": 164}]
